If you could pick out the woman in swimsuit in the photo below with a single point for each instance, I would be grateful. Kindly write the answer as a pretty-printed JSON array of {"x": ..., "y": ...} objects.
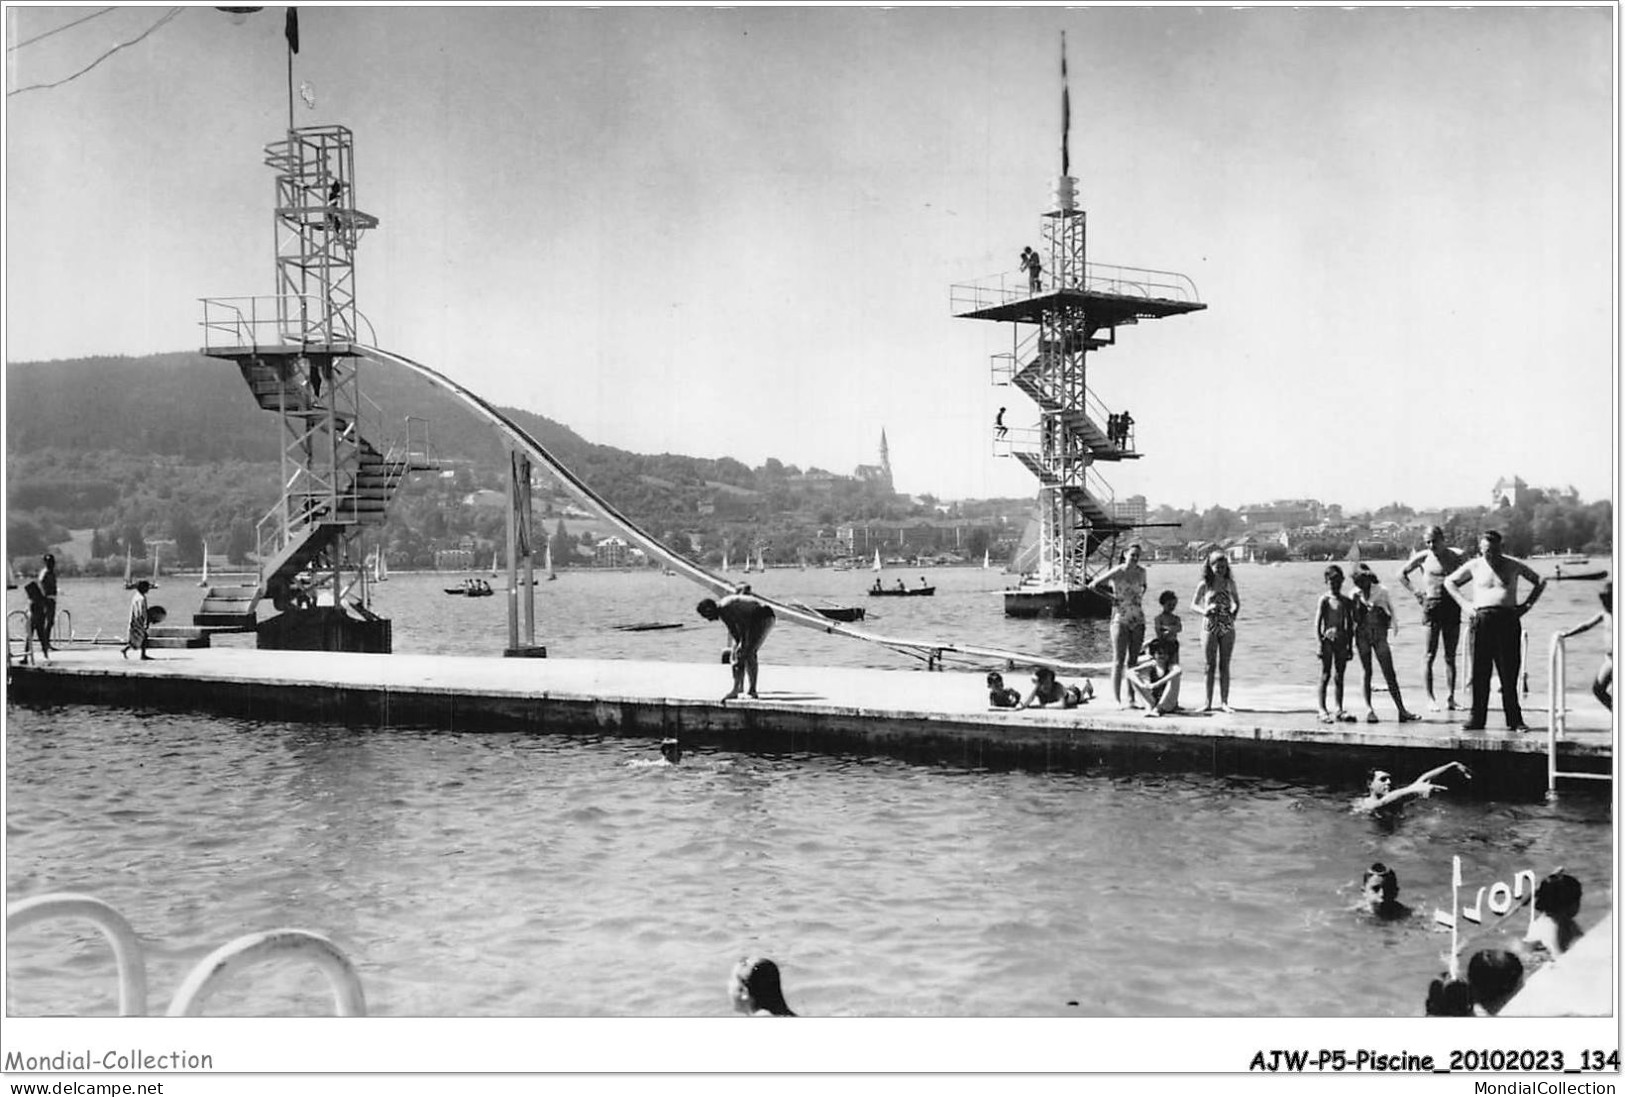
[
  {"x": 1128, "y": 616},
  {"x": 1218, "y": 601}
]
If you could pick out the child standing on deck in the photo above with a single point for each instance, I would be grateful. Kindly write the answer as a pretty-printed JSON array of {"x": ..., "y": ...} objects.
[
  {"x": 1334, "y": 629},
  {"x": 1373, "y": 619},
  {"x": 1166, "y": 625}
]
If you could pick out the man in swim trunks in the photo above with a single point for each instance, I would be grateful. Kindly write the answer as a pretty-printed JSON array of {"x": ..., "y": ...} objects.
[
  {"x": 1497, "y": 625},
  {"x": 1440, "y": 612},
  {"x": 748, "y": 621}
]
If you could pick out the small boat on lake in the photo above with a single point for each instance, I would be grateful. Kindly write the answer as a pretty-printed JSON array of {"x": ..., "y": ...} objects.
[
  {"x": 1559, "y": 575},
  {"x": 472, "y": 588},
  {"x": 878, "y": 591},
  {"x": 846, "y": 614}
]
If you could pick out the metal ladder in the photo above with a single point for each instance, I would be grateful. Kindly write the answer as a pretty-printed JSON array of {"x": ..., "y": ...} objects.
[{"x": 1557, "y": 691}]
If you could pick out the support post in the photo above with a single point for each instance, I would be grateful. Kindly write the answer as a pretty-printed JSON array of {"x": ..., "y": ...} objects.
[
  {"x": 513, "y": 546},
  {"x": 519, "y": 546}
]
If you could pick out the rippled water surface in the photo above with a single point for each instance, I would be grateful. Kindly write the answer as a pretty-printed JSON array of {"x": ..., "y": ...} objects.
[{"x": 529, "y": 875}]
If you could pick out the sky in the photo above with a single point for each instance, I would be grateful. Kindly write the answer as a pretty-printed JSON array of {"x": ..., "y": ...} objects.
[{"x": 732, "y": 232}]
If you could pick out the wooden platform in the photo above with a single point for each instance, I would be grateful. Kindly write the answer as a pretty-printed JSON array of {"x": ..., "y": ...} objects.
[{"x": 937, "y": 718}]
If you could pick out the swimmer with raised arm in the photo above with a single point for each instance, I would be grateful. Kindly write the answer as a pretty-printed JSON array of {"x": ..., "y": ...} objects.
[{"x": 1382, "y": 796}]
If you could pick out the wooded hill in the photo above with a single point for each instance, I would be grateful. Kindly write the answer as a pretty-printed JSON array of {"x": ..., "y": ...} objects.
[{"x": 173, "y": 446}]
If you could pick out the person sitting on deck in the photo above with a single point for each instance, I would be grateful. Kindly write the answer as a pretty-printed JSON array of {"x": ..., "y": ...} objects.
[
  {"x": 1000, "y": 695},
  {"x": 876, "y": 587},
  {"x": 754, "y": 989},
  {"x": 1382, "y": 796},
  {"x": 1379, "y": 893},
  {"x": 1557, "y": 904},
  {"x": 901, "y": 585},
  {"x": 1156, "y": 679},
  {"x": 1495, "y": 975},
  {"x": 1048, "y": 690}
]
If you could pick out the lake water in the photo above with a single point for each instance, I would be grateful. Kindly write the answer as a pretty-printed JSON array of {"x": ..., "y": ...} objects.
[{"x": 552, "y": 875}]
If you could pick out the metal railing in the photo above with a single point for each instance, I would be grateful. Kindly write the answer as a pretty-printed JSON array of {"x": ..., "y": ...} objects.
[
  {"x": 245, "y": 323},
  {"x": 1104, "y": 278},
  {"x": 1557, "y": 724}
]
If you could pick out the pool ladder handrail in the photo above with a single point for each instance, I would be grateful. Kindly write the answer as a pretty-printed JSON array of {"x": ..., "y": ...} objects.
[
  {"x": 204, "y": 978},
  {"x": 1557, "y": 725}
]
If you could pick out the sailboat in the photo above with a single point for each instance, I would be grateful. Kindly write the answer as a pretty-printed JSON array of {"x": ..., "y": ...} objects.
[
  {"x": 129, "y": 579},
  {"x": 761, "y": 564},
  {"x": 724, "y": 561},
  {"x": 877, "y": 560},
  {"x": 1353, "y": 557},
  {"x": 380, "y": 569},
  {"x": 986, "y": 556},
  {"x": 203, "y": 580},
  {"x": 493, "y": 563},
  {"x": 551, "y": 575}
]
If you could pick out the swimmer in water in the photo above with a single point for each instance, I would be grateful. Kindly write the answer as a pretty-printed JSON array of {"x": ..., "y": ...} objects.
[
  {"x": 1382, "y": 796},
  {"x": 754, "y": 990},
  {"x": 1379, "y": 893},
  {"x": 671, "y": 750},
  {"x": 1557, "y": 905}
]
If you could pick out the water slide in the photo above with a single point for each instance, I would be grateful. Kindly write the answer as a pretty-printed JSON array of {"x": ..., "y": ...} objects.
[{"x": 933, "y": 651}]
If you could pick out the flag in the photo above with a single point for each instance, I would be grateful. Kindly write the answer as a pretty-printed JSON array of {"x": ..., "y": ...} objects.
[
  {"x": 291, "y": 30},
  {"x": 1066, "y": 114}
]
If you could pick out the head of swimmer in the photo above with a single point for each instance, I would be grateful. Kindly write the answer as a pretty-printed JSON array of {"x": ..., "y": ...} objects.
[{"x": 1380, "y": 886}]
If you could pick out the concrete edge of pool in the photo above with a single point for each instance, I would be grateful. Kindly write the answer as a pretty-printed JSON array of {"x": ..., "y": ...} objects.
[{"x": 937, "y": 718}]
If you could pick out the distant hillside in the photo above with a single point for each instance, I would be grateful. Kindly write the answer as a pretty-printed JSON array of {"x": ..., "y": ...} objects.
[
  {"x": 198, "y": 409},
  {"x": 174, "y": 446}
]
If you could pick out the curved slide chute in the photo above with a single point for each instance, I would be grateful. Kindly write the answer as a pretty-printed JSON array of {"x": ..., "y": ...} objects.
[{"x": 933, "y": 651}]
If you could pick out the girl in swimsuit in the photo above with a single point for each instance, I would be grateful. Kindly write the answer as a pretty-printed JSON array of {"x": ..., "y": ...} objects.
[
  {"x": 1128, "y": 616},
  {"x": 1219, "y": 602},
  {"x": 1373, "y": 619}
]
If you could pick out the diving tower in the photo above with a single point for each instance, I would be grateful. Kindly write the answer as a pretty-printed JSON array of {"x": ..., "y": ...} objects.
[
  {"x": 296, "y": 351},
  {"x": 1059, "y": 311}
]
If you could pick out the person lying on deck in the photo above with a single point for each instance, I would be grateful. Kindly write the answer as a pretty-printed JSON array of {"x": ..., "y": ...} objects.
[
  {"x": 1382, "y": 796},
  {"x": 1048, "y": 690},
  {"x": 1000, "y": 695}
]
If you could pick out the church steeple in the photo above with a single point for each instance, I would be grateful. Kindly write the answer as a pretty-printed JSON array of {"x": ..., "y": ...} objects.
[{"x": 885, "y": 460}]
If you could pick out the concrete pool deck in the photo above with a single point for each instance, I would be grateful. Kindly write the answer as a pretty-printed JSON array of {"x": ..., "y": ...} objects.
[{"x": 939, "y": 718}]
